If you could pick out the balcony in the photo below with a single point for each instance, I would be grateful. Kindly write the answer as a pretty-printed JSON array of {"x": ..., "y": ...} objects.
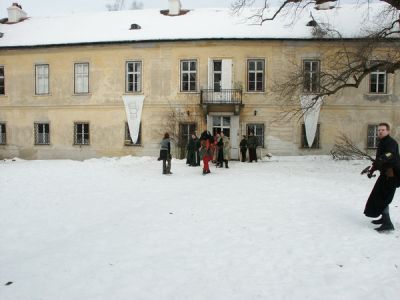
[
  {"x": 232, "y": 96},
  {"x": 223, "y": 100}
]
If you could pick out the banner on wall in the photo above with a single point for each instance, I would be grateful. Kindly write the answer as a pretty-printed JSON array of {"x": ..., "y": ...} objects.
[
  {"x": 310, "y": 115},
  {"x": 133, "y": 109}
]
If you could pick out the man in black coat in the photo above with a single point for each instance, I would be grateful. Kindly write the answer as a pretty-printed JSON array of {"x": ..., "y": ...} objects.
[{"x": 387, "y": 161}]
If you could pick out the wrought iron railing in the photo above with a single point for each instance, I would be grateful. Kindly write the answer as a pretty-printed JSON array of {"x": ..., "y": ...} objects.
[{"x": 231, "y": 96}]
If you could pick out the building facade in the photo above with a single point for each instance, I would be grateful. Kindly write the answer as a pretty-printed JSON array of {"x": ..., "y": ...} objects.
[{"x": 64, "y": 100}]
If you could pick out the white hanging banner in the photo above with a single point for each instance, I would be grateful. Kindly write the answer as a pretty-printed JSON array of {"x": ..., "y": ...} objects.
[
  {"x": 133, "y": 108},
  {"x": 311, "y": 115}
]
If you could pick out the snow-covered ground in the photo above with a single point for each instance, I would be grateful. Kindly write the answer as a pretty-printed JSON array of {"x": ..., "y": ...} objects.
[{"x": 115, "y": 228}]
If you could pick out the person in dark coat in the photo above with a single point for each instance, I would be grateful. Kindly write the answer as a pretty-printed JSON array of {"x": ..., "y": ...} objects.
[
  {"x": 193, "y": 146},
  {"x": 165, "y": 154},
  {"x": 252, "y": 144},
  {"x": 387, "y": 161},
  {"x": 243, "y": 148}
]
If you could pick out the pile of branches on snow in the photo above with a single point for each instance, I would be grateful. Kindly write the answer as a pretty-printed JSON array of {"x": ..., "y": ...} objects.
[{"x": 345, "y": 149}]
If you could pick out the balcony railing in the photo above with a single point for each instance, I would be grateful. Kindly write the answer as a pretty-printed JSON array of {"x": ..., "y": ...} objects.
[{"x": 232, "y": 96}]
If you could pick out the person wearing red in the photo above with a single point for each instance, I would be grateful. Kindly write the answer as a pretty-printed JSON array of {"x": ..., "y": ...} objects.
[{"x": 205, "y": 150}]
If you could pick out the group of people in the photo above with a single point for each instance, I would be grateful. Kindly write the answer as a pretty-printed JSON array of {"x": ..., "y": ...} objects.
[{"x": 387, "y": 162}]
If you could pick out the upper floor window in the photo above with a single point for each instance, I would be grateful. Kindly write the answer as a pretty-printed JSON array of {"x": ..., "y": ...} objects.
[
  {"x": 41, "y": 79},
  {"x": 377, "y": 81},
  {"x": 311, "y": 70},
  {"x": 128, "y": 138},
  {"x": 81, "y": 134},
  {"x": 42, "y": 134},
  {"x": 81, "y": 78},
  {"x": 258, "y": 131},
  {"x": 372, "y": 136},
  {"x": 2, "y": 81},
  {"x": 3, "y": 135},
  {"x": 255, "y": 75},
  {"x": 188, "y": 75},
  {"x": 304, "y": 142},
  {"x": 133, "y": 77}
]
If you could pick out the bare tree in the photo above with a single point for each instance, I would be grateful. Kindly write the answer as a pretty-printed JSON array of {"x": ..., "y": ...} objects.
[
  {"x": 345, "y": 66},
  {"x": 346, "y": 149},
  {"x": 176, "y": 117},
  {"x": 120, "y": 5}
]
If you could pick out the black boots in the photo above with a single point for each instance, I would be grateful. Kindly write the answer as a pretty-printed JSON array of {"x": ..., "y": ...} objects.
[
  {"x": 226, "y": 164},
  {"x": 386, "y": 223}
]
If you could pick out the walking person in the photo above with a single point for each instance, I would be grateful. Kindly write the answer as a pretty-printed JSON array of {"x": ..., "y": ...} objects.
[
  {"x": 165, "y": 154},
  {"x": 226, "y": 149},
  {"x": 243, "y": 149},
  {"x": 252, "y": 144},
  {"x": 387, "y": 161},
  {"x": 205, "y": 150}
]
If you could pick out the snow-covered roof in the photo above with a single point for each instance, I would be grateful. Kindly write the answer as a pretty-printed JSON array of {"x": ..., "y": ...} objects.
[{"x": 196, "y": 24}]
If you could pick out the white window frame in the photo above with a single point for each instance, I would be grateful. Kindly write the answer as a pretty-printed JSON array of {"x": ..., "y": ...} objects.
[
  {"x": 3, "y": 133},
  {"x": 42, "y": 79},
  {"x": 377, "y": 74},
  {"x": 3, "y": 80},
  {"x": 311, "y": 75},
  {"x": 372, "y": 136},
  {"x": 81, "y": 78},
  {"x": 256, "y": 72},
  {"x": 188, "y": 72},
  {"x": 81, "y": 133},
  {"x": 42, "y": 138},
  {"x": 136, "y": 75}
]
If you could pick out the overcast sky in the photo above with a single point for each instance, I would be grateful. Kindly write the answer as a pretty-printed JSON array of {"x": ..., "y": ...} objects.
[{"x": 62, "y": 7}]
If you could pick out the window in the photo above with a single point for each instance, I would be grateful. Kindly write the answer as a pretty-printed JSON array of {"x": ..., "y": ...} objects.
[
  {"x": 133, "y": 77},
  {"x": 42, "y": 134},
  {"x": 81, "y": 78},
  {"x": 2, "y": 83},
  {"x": 186, "y": 130},
  {"x": 217, "y": 75},
  {"x": 377, "y": 81},
  {"x": 372, "y": 137},
  {"x": 41, "y": 79},
  {"x": 304, "y": 143},
  {"x": 311, "y": 71},
  {"x": 188, "y": 75},
  {"x": 3, "y": 135},
  {"x": 81, "y": 134},
  {"x": 128, "y": 139},
  {"x": 258, "y": 130},
  {"x": 255, "y": 76},
  {"x": 222, "y": 124}
]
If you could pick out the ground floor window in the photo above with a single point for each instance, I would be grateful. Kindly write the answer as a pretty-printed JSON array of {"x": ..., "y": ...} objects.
[
  {"x": 304, "y": 142},
  {"x": 3, "y": 136},
  {"x": 222, "y": 124},
  {"x": 258, "y": 131},
  {"x": 372, "y": 136},
  {"x": 42, "y": 134},
  {"x": 81, "y": 134},
  {"x": 128, "y": 138}
]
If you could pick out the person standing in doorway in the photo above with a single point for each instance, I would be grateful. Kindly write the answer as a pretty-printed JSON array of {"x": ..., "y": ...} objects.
[
  {"x": 243, "y": 148},
  {"x": 387, "y": 161},
  {"x": 165, "y": 154},
  {"x": 252, "y": 144}
]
